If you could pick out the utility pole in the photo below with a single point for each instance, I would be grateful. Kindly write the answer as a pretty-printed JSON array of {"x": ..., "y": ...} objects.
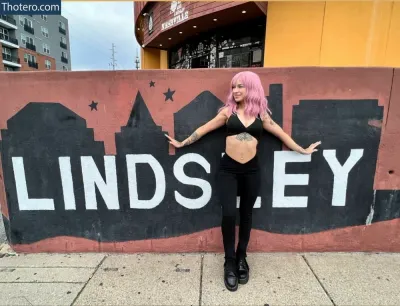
[
  {"x": 137, "y": 60},
  {"x": 113, "y": 63}
]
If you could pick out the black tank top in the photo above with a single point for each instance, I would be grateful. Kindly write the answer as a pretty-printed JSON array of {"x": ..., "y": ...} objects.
[{"x": 234, "y": 126}]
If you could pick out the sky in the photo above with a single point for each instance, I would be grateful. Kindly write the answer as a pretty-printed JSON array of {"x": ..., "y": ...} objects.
[{"x": 94, "y": 27}]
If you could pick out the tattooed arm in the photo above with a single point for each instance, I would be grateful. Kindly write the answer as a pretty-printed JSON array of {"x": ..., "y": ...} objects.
[
  {"x": 192, "y": 138},
  {"x": 272, "y": 127},
  {"x": 218, "y": 121}
]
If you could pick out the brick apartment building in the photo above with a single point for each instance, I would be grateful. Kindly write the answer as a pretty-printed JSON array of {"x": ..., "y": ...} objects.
[{"x": 34, "y": 42}]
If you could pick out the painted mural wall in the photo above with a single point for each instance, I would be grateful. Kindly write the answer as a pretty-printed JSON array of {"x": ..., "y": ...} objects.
[{"x": 85, "y": 164}]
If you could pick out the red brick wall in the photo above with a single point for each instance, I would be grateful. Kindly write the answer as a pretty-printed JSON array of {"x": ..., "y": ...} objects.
[{"x": 40, "y": 59}]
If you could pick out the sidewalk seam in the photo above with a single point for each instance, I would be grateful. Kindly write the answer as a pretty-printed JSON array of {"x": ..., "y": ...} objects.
[
  {"x": 320, "y": 283},
  {"x": 201, "y": 279},
  {"x": 91, "y": 276}
]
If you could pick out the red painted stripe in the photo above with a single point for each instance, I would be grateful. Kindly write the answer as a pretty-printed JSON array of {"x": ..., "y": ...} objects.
[{"x": 351, "y": 239}]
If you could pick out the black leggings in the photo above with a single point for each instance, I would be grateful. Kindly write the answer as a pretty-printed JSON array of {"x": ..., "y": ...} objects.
[{"x": 231, "y": 175}]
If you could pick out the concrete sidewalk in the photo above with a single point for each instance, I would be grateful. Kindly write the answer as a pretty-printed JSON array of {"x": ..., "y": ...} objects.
[{"x": 196, "y": 279}]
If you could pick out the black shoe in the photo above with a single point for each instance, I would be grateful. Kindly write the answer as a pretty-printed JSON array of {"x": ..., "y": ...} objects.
[
  {"x": 243, "y": 270},
  {"x": 230, "y": 275}
]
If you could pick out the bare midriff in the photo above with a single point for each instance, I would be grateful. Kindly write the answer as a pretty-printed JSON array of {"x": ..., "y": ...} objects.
[{"x": 241, "y": 147}]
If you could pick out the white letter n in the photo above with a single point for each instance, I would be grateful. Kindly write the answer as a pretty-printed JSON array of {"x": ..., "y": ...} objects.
[{"x": 92, "y": 177}]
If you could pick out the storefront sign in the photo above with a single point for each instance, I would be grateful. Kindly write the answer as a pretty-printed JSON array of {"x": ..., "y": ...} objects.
[{"x": 179, "y": 13}]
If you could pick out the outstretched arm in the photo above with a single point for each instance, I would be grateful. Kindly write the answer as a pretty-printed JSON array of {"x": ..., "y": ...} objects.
[
  {"x": 218, "y": 121},
  {"x": 272, "y": 127}
]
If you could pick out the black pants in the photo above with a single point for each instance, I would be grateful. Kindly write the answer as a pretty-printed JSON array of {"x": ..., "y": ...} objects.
[{"x": 232, "y": 176}]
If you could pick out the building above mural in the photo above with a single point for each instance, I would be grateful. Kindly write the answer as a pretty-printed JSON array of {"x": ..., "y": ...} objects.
[
  {"x": 292, "y": 33},
  {"x": 203, "y": 34},
  {"x": 163, "y": 25}
]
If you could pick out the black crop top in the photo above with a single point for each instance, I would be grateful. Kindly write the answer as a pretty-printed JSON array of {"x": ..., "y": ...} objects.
[{"x": 234, "y": 126}]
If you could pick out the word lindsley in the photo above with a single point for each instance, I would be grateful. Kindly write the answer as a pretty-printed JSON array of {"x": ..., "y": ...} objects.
[{"x": 108, "y": 187}]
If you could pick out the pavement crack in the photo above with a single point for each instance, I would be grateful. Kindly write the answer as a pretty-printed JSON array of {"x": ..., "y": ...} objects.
[
  {"x": 319, "y": 281},
  {"x": 201, "y": 280},
  {"x": 26, "y": 300},
  {"x": 91, "y": 276}
]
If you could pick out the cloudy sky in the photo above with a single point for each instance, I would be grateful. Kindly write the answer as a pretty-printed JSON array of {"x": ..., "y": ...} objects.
[{"x": 94, "y": 27}]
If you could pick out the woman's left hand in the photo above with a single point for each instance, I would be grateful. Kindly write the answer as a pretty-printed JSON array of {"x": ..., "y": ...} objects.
[{"x": 311, "y": 149}]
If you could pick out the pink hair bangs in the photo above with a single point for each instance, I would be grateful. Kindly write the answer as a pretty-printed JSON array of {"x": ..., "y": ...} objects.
[{"x": 255, "y": 100}]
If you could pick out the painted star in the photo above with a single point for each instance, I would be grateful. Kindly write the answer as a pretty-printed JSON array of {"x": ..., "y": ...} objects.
[
  {"x": 152, "y": 83},
  {"x": 93, "y": 106},
  {"x": 168, "y": 94}
]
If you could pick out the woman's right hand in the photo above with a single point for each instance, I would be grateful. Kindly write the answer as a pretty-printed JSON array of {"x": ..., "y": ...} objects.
[{"x": 174, "y": 142}]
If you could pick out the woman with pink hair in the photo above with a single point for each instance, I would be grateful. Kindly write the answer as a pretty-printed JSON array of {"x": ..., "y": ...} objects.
[{"x": 246, "y": 115}]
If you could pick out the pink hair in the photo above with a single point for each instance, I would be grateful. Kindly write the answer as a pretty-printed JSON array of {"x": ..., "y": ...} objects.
[{"x": 255, "y": 101}]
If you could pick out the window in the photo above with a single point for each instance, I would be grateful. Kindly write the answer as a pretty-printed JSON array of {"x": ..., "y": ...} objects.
[
  {"x": 26, "y": 39},
  {"x": 63, "y": 40},
  {"x": 226, "y": 47},
  {"x": 45, "y": 31},
  {"x": 29, "y": 58},
  {"x": 46, "y": 48},
  {"x": 4, "y": 34},
  {"x": 24, "y": 20},
  {"x": 65, "y": 68},
  {"x": 30, "y": 40},
  {"x": 6, "y": 68},
  {"x": 47, "y": 63},
  {"x": 62, "y": 25},
  {"x": 44, "y": 17},
  {"x": 257, "y": 55},
  {"x": 64, "y": 54},
  {"x": 6, "y": 51}
]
